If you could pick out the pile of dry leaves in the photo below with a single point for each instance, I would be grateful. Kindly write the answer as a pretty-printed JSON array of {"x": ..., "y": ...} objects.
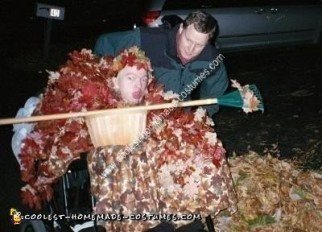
[{"x": 273, "y": 195}]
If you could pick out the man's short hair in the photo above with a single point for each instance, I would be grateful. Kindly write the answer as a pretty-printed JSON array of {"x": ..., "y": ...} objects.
[{"x": 202, "y": 21}]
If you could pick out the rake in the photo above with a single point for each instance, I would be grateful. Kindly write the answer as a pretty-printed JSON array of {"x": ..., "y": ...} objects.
[
  {"x": 237, "y": 98},
  {"x": 111, "y": 126}
]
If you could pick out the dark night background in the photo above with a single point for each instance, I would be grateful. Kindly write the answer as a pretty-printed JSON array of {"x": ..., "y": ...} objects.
[
  {"x": 22, "y": 66},
  {"x": 289, "y": 79}
]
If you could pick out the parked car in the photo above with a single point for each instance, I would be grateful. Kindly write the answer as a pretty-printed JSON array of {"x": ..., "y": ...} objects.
[{"x": 248, "y": 23}]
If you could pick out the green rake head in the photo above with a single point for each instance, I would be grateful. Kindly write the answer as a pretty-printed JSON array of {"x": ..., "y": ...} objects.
[
  {"x": 235, "y": 98},
  {"x": 259, "y": 97}
]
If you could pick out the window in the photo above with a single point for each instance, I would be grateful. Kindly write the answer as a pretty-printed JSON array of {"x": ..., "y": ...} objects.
[
  {"x": 294, "y": 2},
  {"x": 204, "y": 4},
  {"x": 186, "y": 5}
]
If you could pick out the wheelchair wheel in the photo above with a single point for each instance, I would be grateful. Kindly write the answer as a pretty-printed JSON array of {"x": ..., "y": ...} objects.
[{"x": 33, "y": 226}]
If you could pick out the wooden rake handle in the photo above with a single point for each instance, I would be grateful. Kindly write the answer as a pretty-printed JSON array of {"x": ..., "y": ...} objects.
[{"x": 7, "y": 121}]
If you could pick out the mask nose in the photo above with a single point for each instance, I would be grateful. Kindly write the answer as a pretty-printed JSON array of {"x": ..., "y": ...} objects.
[{"x": 138, "y": 84}]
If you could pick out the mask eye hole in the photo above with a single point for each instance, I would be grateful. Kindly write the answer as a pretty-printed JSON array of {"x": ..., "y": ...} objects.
[{"x": 130, "y": 78}]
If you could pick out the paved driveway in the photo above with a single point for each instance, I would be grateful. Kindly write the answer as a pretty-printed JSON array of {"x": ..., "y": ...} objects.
[{"x": 291, "y": 84}]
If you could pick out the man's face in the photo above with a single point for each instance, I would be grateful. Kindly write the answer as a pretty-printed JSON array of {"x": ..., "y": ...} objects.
[
  {"x": 191, "y": 42},
  {"x": 132, "y": 84}
]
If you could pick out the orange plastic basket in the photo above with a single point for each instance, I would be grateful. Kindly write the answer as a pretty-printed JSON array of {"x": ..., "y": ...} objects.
[{"x": 116, "y": 129}]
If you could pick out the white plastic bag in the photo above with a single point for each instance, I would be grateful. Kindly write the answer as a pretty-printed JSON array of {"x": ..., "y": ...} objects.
[{"x": 23, "y": 129}]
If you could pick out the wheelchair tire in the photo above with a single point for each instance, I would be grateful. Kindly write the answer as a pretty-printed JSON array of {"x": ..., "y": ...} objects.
[{"x": 33, "y": 226}]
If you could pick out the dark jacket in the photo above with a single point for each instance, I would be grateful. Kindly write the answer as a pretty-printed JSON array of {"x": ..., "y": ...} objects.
[{"x": 160, "y": 46}]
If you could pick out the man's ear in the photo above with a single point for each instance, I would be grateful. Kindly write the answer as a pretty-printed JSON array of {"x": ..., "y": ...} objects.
[
  {"x": 180, "y": 28},
  {"x": 115, "y": 82}
]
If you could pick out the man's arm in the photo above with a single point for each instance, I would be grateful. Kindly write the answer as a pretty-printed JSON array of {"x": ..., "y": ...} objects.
[
  {"x": 113, "y": 43},
  {"x": 214, "y": 86}
]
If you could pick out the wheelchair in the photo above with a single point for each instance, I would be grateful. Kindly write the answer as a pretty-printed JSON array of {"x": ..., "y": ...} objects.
[{"x": 72, "y": 196}]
